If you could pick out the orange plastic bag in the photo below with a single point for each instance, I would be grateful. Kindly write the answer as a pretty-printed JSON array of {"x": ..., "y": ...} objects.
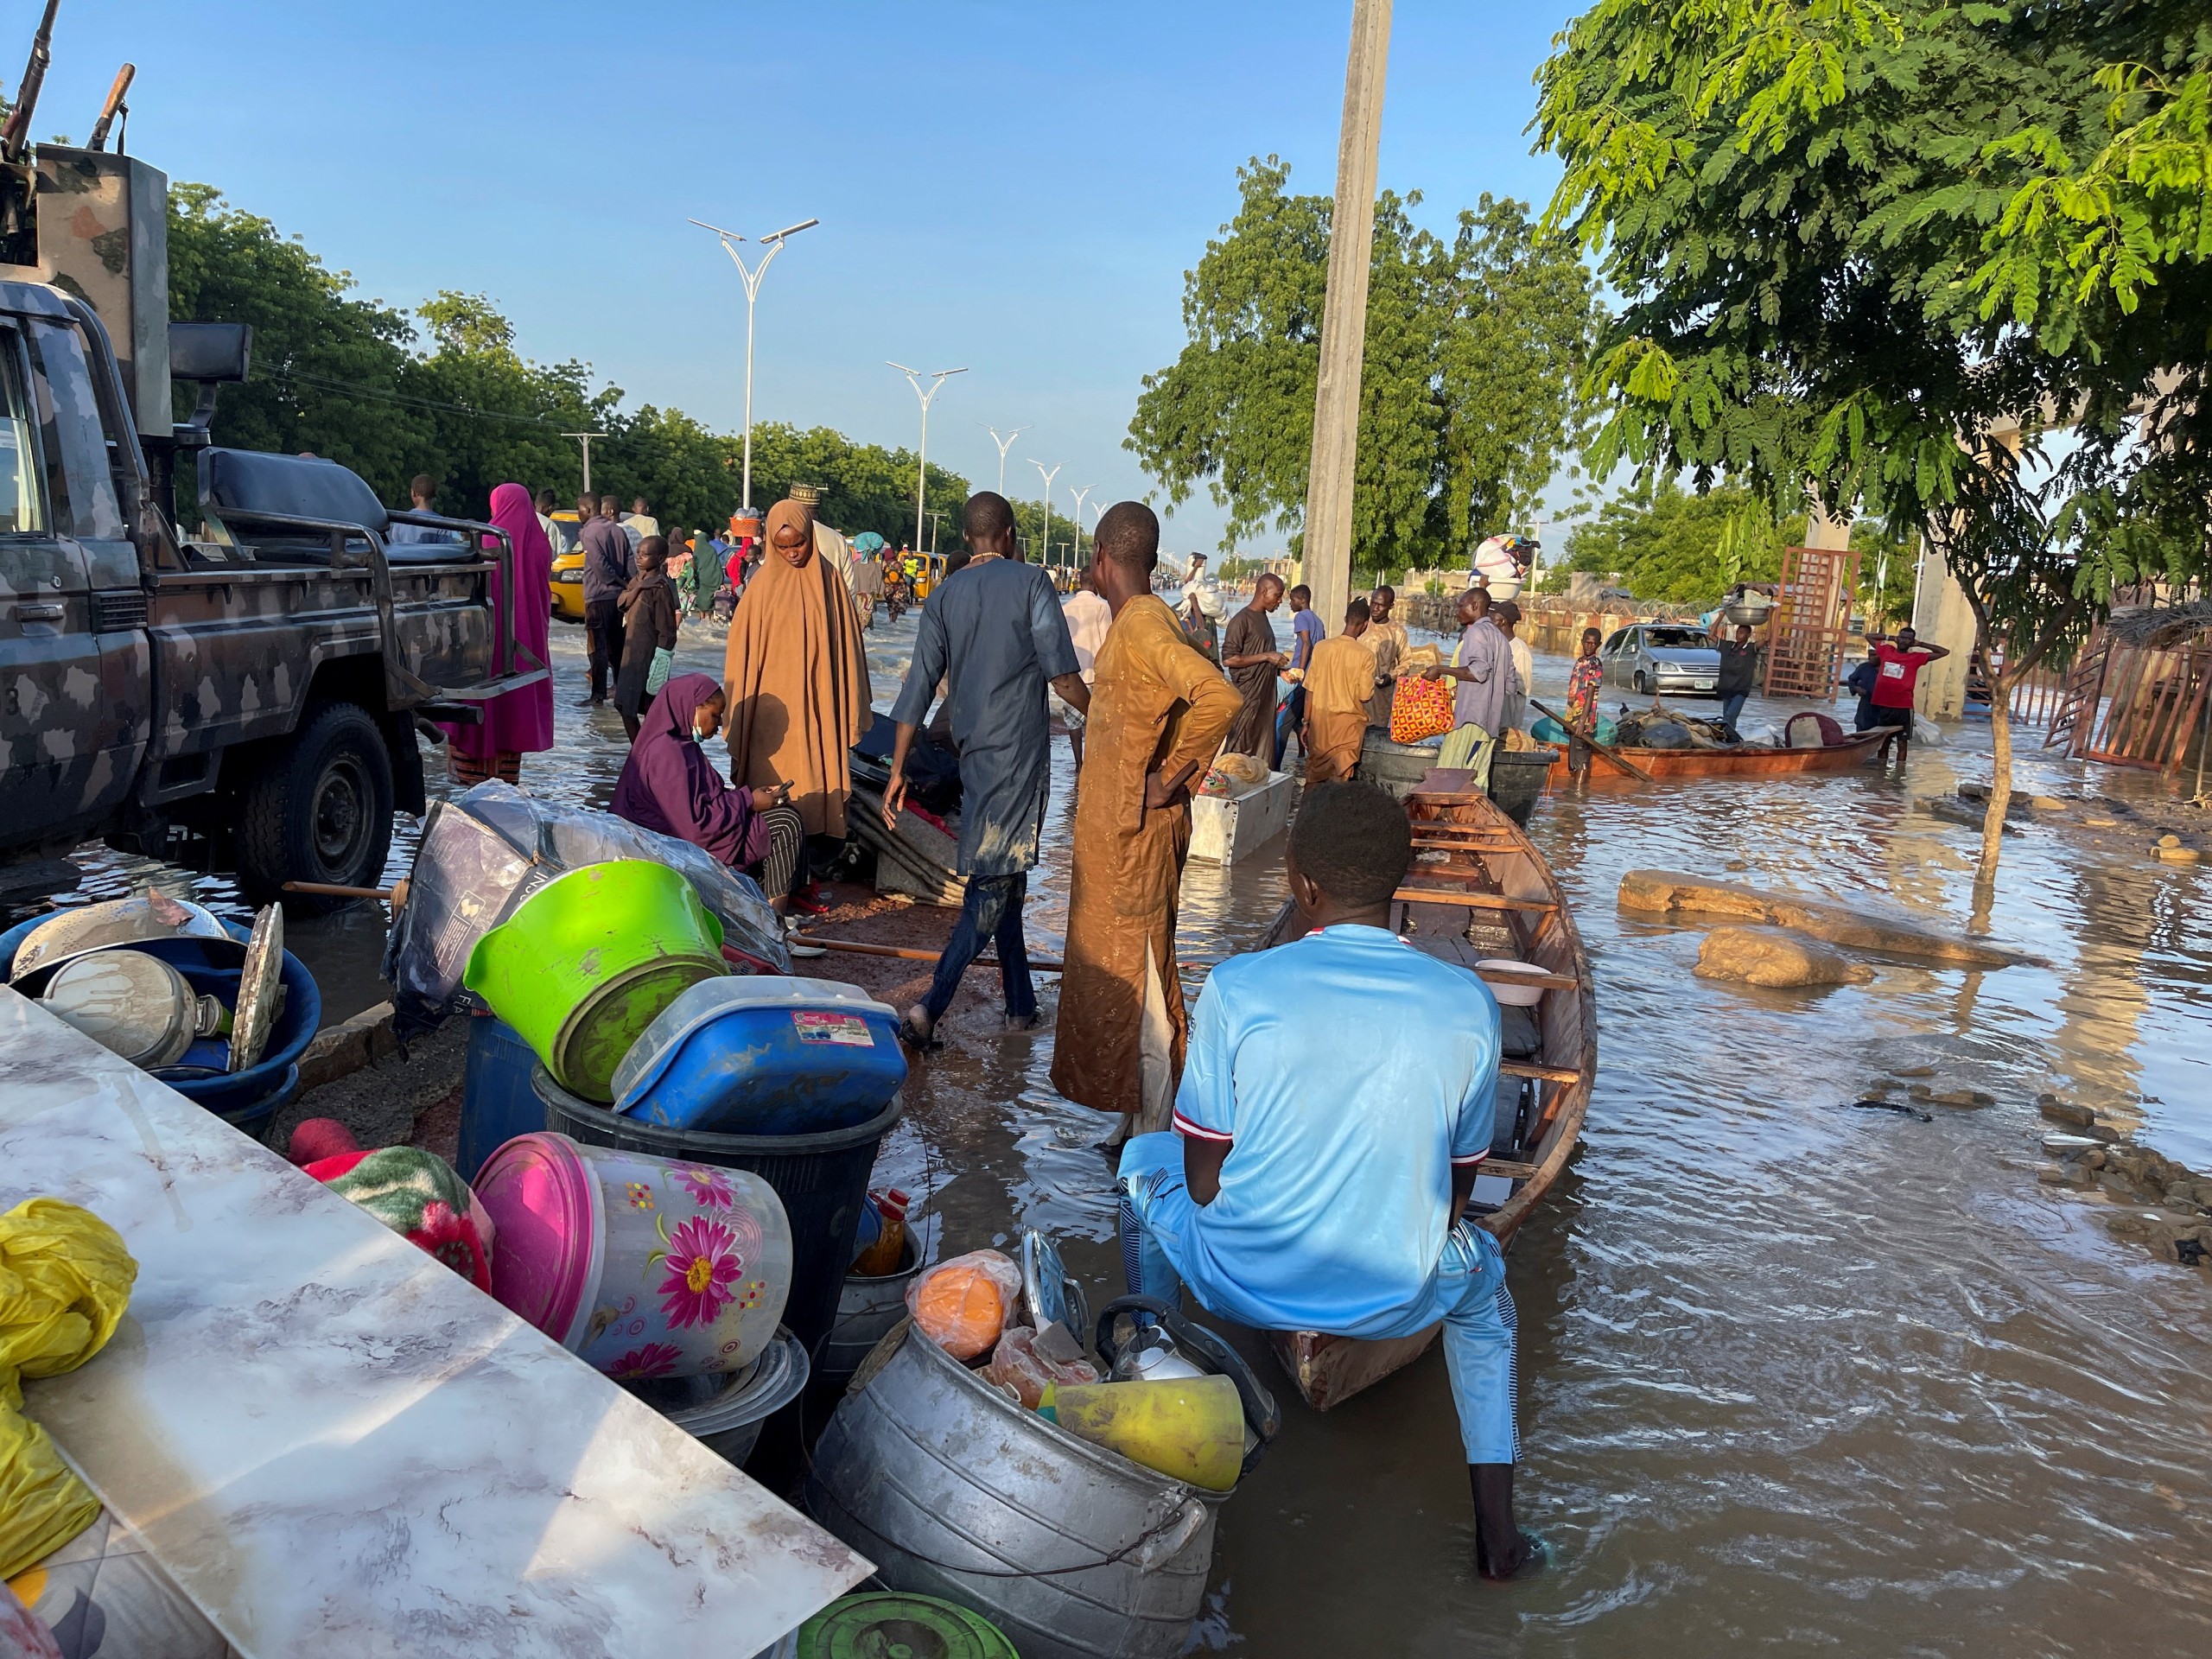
[
  {"x": 1422, "y": 708},
  {"x": 964, "y": 1304},
  {"x": 1017, "y": 1364}
]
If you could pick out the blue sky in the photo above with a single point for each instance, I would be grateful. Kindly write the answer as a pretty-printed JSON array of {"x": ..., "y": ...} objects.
[{"x": 1016, "y": 189}]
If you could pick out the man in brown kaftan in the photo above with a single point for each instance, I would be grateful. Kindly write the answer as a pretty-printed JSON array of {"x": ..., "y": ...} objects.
[{"x": 1159, "y": 711}]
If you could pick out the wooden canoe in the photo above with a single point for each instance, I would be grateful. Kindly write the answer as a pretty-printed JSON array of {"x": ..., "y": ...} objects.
[
  {"x": 1480, "y": 889},
  {"x": 1745, "y": 760}
]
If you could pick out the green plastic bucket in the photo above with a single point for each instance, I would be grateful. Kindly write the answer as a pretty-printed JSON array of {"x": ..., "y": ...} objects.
[{"x": 588, "y": 962}]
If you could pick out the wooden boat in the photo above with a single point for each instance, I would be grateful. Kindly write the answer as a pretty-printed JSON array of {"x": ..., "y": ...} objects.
[
  {"x": 1744, "y": 760},
  {"x": 1478, "y": 888}
]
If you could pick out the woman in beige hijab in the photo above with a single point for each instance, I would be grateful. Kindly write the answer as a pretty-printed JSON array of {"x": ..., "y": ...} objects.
[{"x": 796, "y": 676}]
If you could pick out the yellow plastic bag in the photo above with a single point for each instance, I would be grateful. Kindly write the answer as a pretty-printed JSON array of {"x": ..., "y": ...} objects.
[{"x": 65, "y": 1280}]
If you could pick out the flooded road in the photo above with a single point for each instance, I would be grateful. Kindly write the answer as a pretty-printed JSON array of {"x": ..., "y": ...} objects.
[{"x": 1793, "y": 1375}]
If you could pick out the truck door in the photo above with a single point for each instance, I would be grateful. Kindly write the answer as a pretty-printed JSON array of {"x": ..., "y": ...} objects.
[{"x": 70, "y": 638}]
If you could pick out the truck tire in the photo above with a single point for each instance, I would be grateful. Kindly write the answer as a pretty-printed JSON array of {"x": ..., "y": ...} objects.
[{"x": 318, "y": 808}]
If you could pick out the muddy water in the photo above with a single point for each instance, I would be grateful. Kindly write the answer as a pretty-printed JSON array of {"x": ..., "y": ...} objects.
[{"x": 1793, "y": 1375}]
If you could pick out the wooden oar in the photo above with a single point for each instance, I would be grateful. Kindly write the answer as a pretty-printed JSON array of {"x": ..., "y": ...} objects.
[
  {"x": 1620, "y": 760},
  {"x": 905, "y": 953},
  {"x": 396, "y": 893}
]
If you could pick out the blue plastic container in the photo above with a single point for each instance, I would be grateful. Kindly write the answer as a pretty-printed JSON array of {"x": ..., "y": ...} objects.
[
  {"x": 497, "y": 1102},
  {"x": 764, "y": 1055},
  {"x": 239, "y": 1097}
]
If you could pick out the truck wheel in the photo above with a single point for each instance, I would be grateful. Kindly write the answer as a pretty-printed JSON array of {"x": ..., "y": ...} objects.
[{"x": 318, "y": 809}]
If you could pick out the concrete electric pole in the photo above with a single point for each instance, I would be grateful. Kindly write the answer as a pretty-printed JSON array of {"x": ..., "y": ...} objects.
[{"x": 1343, "y": 318}]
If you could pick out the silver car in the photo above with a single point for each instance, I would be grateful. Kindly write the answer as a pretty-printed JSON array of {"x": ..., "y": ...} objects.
[{"x": 1662, "y": 656}]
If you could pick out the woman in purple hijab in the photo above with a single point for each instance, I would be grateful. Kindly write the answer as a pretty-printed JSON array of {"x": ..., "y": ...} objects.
[{"x": 668, "y": 786}]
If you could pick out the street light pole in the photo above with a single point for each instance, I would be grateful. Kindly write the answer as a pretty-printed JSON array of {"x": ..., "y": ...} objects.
[
  {"x": 922, "y": 464},
  {"x": 586, "y": 437},
  {"x": 1004, "y": 444},
  {"x": 1079, "y": 496},
  {"x": 1045, "y": 536},
  {"x": 774, "y": 243}
]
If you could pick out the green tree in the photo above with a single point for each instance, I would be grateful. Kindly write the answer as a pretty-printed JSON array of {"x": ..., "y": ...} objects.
[
  {"x": 1467, "y": 396},
  {"x": 493, "y": 415},
  {"x": 361, "y": 382},
  {"x": 329, "y": 369},
  {"x": 1808, "y": 207},
  {"x": 1664, "y": 544}
]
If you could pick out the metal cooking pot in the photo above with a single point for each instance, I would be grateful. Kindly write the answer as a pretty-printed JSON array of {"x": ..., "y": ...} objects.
[
  {"x": 76, "y": 932},
  {"x": 133, "y": 1005}
]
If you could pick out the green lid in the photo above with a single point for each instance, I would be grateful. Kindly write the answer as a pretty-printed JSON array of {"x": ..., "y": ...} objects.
[{"x": 892, "y": 1626}]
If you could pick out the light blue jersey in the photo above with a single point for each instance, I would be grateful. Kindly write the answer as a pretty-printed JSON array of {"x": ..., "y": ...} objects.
[{"x": 1349, "y": 1073}]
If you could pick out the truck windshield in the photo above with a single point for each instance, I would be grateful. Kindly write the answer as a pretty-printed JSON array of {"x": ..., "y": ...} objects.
[
  {"x": 19, "y": 501},
  {"x": 75, "y": 439}
]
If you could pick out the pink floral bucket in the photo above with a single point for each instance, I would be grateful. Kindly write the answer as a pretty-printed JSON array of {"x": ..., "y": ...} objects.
[{"x": 643, "y": 1267}]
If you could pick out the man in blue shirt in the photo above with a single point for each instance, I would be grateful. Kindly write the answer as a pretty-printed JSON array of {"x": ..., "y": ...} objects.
[
  {"x": 1307, "y": 631},
  {"x": 992, "y": 632},
  {"x": 1314, "y": 1184}
]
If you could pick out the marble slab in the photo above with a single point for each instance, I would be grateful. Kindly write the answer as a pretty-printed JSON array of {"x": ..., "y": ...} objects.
[{"x": 336, "y": 1446}]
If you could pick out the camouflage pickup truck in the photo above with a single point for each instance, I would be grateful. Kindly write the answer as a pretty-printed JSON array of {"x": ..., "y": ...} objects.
[{"x": 207, "y": 654}]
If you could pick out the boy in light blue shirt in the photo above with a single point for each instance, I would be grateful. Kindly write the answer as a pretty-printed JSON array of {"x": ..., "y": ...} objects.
[{"x": 1315, "y": 1184}]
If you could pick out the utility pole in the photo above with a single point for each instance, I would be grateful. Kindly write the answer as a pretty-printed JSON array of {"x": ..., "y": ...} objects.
[
  {"x": 935, "y": 514},
  {"x": 1343, "y": 317},
  {"x": 922, "y": 464},
  {"x": 1079, "y": 496},
  {"x": 1045, "y": 536},
  {"x": 1004, "y": 444},
  {"x": 585, "y": 438},
  {"x": 774, "y": 243}
]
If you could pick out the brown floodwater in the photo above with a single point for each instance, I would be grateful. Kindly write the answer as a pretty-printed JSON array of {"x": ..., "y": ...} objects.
[{"x": 1793, "y": 1375}]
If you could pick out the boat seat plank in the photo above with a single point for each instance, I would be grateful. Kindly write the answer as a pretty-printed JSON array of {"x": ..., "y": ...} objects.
[
  {"x": 1507, "y": 1169},
  {"x": 1541, "y": 1073},
  {"x": 1473, "y": 900}
]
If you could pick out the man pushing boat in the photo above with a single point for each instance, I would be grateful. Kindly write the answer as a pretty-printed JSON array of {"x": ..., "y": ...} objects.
[{"x": 1308, "y": 1186}]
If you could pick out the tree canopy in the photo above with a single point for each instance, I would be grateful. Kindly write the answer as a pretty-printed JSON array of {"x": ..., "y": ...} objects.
[
  {"x": 1474, "y": 352},
  {"x": 1824, "y": 218},
  {"x": 1881, "y": 249},
  {"x": 444, "y": 391}
]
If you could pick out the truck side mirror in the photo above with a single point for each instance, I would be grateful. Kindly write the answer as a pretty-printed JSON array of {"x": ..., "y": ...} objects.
[{"x": 213, "y": 353}]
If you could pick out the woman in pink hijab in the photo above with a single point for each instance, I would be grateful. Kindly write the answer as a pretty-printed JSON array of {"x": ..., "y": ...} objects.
[{"x": 518, "y": 722}]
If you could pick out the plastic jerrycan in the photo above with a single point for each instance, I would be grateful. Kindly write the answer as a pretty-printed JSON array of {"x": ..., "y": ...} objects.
[{"x": 1189, "y": 1428}]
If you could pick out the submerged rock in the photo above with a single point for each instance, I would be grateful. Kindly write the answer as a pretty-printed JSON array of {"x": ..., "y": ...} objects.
[
  {"x": 1774, "y": 957},
  {"x": 2063, "y": 1111},
  {"x": 1860, "y": 926}
]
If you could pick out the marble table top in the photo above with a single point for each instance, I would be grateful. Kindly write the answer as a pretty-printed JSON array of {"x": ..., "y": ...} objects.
[{"x": 337, "y": 1445}]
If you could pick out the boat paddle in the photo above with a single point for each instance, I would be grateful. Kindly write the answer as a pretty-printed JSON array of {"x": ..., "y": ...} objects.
[{"x": 1618, "y": 759}]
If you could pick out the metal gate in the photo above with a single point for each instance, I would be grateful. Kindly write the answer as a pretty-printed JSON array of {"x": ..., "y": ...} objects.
[{"x": 1805, "y": 651}]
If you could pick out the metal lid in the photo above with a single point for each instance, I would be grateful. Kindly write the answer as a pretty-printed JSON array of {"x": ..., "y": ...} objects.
[
  {"x": 545, "y": 1210},
  {"x": 255, "y": 1014},
  {"x": 1049, "y": 1292},
  {"x": 919, "y": 1627},
  {"x": 130, "y": 1003},
  {"x": 710, "y": 1000},
  {"x": 149, "y": 915}
]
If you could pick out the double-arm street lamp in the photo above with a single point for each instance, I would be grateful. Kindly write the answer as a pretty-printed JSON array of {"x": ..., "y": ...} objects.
[
  {"x": 1045, "y": 536},
  {"x": 922, "y": 466},
  {"x": 1004, "y": 444},
  {"x": 1079, "y": 496},
  {"x": 774, "y": 243}
]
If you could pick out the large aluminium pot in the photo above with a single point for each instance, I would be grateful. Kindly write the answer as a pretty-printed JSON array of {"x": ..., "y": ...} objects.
[{"x": 954, "y": 1490}]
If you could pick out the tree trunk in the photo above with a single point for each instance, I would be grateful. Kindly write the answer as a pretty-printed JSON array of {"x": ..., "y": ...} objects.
[{"x": 2000, "y": 769}]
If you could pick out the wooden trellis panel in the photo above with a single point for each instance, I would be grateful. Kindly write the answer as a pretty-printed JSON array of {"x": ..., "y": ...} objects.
[
  {"x": 2153, "y": 705},
  {"x": 1804, "y": 656}
]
